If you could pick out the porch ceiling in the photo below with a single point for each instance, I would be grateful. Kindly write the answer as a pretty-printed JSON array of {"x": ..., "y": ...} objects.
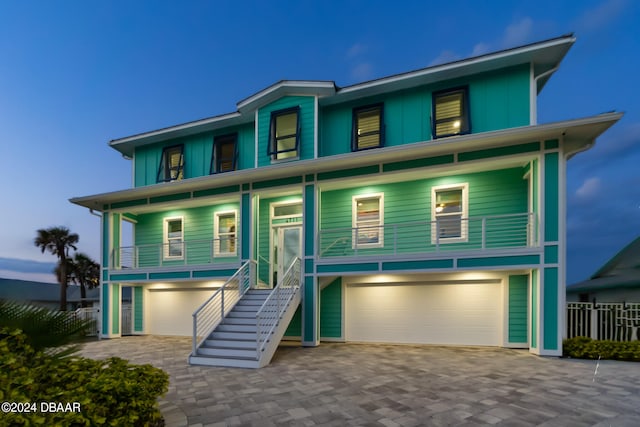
[{"x": 578, "y": 135}]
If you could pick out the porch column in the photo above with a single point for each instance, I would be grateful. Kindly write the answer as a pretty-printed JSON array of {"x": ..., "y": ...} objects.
[
  {"x": 310, "y": 291},
  {"x": 110, "y": 297}
]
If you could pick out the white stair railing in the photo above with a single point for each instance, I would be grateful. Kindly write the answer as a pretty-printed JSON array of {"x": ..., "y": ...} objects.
[
  {"x": 269, "y": 315},
  {"x": 213, "y": 310}
]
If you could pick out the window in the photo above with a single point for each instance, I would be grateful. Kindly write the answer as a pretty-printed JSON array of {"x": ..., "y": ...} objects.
[
  {"x": 284, "y": 134},
  {"x": 451, "y": 113},
  {"x": 173, "y": 238},
  {"x": 368, "y": 220},
  {"x": 449, "y": 213},
  {"x": 368, "y": 128},
  {"x": 171, "y": 164},
  {"x": 224, "y": 233},
  {"x": 225, "y": 154}
]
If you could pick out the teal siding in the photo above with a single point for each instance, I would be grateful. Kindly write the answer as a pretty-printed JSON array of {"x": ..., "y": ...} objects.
[
  {"x": 518, "y": 290},
  {"x": 551, "y": 197},
  {"x": 197, "y": 154},
  {"x": 294, "y": 330},
  {"x": 498, "y": 100},
  {"x": 138, "y": 312},
  {"x": 490, "y": 193},
  {"x": 534, "y": 308},
  {"x": 307, "y": 119},
  {"x": 115, "y": 308},
  {"x": 550, "y": 311},
  {"x": 331, "y": 310},
  {"x": 197, "y": 226},
  {"x": 105, "y": 308}
]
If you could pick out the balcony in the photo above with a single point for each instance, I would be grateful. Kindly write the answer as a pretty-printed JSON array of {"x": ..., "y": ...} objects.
[
  {"x": 476, "y": 234},
  {"x": 176, "y": 254}
]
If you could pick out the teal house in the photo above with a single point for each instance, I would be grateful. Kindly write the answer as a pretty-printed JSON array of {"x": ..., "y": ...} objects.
[{"x": 424, "y": 207}]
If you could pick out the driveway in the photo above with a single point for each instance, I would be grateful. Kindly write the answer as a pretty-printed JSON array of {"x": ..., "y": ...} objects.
[{"x": 339, "y": 384}]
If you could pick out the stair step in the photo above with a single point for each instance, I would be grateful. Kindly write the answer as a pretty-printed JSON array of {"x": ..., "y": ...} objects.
[
  {"x": 251, "y": 308},
  {"x": 239, "y": 320},
  {"x": 227, "y": 335},
  {"x": 229, "y": 362},
  {"x": 240, "y": 315},
  {"x": 222, "y": 327},
  {"x": 230, "y": 343},
  {"x": 227, "y": 352}
]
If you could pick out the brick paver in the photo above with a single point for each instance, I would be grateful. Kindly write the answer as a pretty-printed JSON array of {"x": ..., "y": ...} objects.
[{"x": 339, "y": 384}]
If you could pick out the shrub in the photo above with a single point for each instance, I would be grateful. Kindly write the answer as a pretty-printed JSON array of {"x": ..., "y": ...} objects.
[
  {"x": 586, "y": 348},
  {"x": 109, "y": 392}
]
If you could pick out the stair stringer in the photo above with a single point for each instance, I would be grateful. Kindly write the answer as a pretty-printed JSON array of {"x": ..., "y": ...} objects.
[{"x": 278, "y": 333}]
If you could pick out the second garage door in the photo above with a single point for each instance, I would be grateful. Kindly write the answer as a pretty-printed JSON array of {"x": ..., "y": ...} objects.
[{"x": 461, "y": 313}]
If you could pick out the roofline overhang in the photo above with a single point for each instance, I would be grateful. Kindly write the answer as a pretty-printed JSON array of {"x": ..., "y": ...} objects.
[
  {"x": 576, "y": 134},
  {"x": 545, "y": 56}
]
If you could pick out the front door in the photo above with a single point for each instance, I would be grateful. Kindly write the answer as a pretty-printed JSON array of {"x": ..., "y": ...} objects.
[{"x": 287, "y": 246}]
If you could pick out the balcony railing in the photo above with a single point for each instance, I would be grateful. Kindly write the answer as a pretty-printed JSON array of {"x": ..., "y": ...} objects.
[
  {"x": 174, "y": 254},
  {"x": 446, "y": 235}
]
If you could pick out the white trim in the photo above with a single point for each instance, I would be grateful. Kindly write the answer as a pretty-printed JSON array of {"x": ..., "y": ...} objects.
[
  {"x": 355, "y": 223},
  {"x": 464, "y": 215},
  {"x": 216, "y": 233},
  {"x": 165, "y": 239}
]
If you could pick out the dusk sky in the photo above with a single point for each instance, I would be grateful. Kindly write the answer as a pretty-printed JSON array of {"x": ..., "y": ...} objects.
[{"x": 77, "y": 74}]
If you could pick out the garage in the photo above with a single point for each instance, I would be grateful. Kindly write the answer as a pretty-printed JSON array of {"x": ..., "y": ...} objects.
[
  {"x": 169, "y": 310},
  {"x": 463, "y": 313}
]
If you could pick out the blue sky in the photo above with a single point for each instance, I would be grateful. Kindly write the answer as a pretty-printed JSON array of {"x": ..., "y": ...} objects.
[{"x": 76, "y": 74}]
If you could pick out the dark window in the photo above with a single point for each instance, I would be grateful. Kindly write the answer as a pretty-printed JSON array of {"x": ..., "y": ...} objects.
[
  {"x": 368, "y": 128},
  {"x": 284, "y": 134},
  {"x": 451, "y": 113},
  {"x": 225, "y": 154},
  {"x": 171, "y": 164}
]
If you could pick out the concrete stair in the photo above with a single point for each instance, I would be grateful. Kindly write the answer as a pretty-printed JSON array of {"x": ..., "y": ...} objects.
[{"x": 233, "y": 342}]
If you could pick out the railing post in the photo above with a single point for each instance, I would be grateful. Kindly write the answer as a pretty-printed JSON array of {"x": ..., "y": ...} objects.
[
  {"x": 222, "y": 303},
  {"x": 594, "y": 322},
  {"x": 437, "y": 236}
]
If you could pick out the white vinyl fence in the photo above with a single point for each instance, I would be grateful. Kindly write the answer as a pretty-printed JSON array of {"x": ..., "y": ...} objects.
[{"x": 603, "y": 321}]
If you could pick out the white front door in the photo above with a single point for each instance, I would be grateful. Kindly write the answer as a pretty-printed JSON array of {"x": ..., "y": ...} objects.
[{"x": 287, "y": 246}]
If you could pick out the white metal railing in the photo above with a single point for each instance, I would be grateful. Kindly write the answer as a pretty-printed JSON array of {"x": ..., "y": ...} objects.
[
  {"x": 193, "y": 252},
  {"x": 273, "y": 308},
  {"x": 213, "y": 310},
  {"x": 603, "y": 321},
  {"x": 442, "y": 235},
  {"x": 91, "y": 314}
]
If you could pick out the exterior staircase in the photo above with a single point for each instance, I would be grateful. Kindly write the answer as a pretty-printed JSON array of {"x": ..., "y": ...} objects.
[{"x": 248, "y": 333}]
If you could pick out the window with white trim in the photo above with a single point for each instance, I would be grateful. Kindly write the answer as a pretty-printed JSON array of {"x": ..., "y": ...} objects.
[
  {"x": 368, "y": 221},
  {"x": 171, "y": 164},
  {"x": 449, "y": 213},
  {"x": 173, "y": 238},
  {"x": 284, "y": 134},
  {"x": 451, "y": 112},
  {"x": 224, "y": 233}
]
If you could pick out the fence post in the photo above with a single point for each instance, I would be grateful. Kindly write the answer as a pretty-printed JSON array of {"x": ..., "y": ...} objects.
[{"x": 594, "y": 322}]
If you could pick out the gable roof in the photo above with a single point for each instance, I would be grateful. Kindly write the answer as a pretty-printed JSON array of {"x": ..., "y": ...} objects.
[
  {"x": 621, "y": 271},
  {"x": 544, "y": 57}
]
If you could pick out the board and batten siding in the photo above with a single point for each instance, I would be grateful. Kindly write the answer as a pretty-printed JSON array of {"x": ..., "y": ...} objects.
[
  {"x": 197, "y": 225},
  {"x": 197, "y": 154},
  {"x": 490, "y": 193},
  {"x": 330, "y": 313},
  {"x": 498, "y": 100},
  {"x": 518, "y": 302},
  {"x": 307, "y": 126}
]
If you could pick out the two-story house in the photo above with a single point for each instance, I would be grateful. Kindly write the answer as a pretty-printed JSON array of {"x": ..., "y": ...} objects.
[{"x": 423, "y": 207}]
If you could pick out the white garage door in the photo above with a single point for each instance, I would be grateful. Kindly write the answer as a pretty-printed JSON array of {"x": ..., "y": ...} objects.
[
  {"x": 170, "y": 311},
  {"x": 463, "y": 314}
]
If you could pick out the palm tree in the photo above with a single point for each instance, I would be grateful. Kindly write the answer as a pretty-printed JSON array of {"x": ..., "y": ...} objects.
[
  {"x": 58, "y": 241},
  {"x": 85, "y": 272}
]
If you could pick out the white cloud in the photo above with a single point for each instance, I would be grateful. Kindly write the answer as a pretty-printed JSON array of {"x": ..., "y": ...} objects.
[
  {"x": 480, "y": 49},
  {"x": 589, "y": 189},
  {"x": 518, "y": 33},
  {"x": 444, "y": 57},
  {"x": 601, "y": 16},
  {"x": 355, "y": 50}
]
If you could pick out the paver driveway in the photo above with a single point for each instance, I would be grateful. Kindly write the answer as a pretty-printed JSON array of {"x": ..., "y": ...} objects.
[{"x": 388, "y": 385}]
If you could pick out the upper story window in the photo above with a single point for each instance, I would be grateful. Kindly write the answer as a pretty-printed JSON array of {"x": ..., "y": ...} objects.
[
  {"x": 368, "y": 220},
  {"x": 284, "y": 134},
  {"x": 173, "y": 238},
  {"x": 368, "y": 128},
  {"x": 225, "y": 154},
  {"x": 449, "y": 213},
  {"x": 171, "y": 164},
  {"x": 224, "y": 233},
  {"x": 451, "y": 112}
]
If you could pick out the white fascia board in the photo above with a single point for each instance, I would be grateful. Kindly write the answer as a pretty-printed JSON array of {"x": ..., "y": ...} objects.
[
  {"x": 287, "y": 88},
  {"x": 581, "y": 131}
]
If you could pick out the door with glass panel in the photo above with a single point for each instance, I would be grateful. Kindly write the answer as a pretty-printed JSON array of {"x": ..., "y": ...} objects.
[{"x": 287, "y": 246}]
